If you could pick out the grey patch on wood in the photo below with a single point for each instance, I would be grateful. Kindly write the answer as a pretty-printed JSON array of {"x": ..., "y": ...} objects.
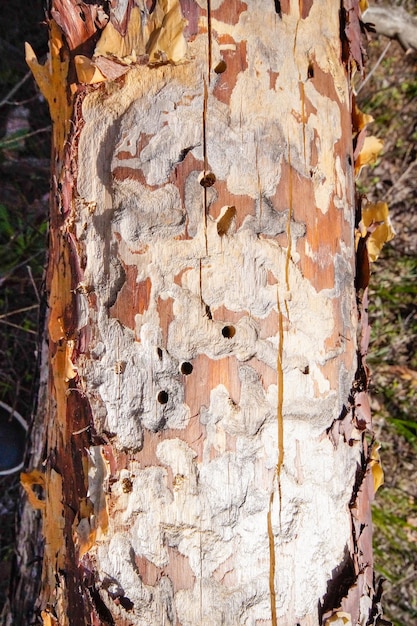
[
  {"x": 194, "y": 202},
  {"x": 171, "y": 130},
  {"x": 130, "y": 396},
  {"x": 116, "y": 277},
  {"x": 271, "y": 222},
  {"x": 161, "y": 211}
]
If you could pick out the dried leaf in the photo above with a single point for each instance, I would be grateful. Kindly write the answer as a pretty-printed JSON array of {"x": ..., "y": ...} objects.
[
  {"x": 371, "y": 149},
  {"x": 48, "y": 619},
  {"x": 376, "y": 468},
  {"x": 376, "y": 220},
  {"x": 360, "y": 119},
  {"x": 340, "y": 618},
  {"x": 87, "y": 72}
]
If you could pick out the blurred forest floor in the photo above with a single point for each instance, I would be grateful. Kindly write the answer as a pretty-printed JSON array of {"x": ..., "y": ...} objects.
[{"x": 389, "y": 94}]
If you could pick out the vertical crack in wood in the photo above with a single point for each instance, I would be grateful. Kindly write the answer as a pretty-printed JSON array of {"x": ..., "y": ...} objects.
[
  {"x": 205, "y": 203},
  {"x": 209, "y": 39},
  {"x": 206, "y": 89},
  {"x": 303, "y": 120},
  {"x": 272, "y": 592},
  {"x": 289, "y": 241},
  {"x": 259, "y": 186},
  {"x": 280, "y": 398}
]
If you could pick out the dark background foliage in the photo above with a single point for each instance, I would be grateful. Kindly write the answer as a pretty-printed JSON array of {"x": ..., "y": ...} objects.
[{"x": 24, "y": 186}]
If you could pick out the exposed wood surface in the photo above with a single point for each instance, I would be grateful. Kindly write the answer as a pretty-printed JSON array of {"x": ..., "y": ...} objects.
[{"x": 204, "y": 464}]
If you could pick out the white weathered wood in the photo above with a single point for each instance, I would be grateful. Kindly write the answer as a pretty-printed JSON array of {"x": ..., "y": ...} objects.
[
  {"x": 208, "y": 232},
  {"x": 208, "y": 500}
]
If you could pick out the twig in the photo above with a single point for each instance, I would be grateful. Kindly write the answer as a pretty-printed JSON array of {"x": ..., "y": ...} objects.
[
  {"x": 3, "y": 279},
  {"x": 15, "y": 88},
  {"x": 390, "y": 191},
  {"x": 26, "y": 308},
  {"x": 375, "y": 67},
  {"x": 13, "y": 138},
  {"x": 35, "y": 289},
  {"x": 26, "y": 330}
]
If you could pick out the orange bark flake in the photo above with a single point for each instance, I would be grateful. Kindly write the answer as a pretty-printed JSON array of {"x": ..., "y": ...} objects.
[{"x": 52, "y": 81}]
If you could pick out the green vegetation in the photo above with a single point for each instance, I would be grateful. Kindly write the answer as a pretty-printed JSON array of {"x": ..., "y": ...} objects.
[
  {"x": 390, "y": 97},
  {"x": 24, "y": 183}
]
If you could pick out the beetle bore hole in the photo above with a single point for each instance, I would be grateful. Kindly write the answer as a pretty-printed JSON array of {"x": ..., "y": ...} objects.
[
  {"x": 220, "y": 67},
  {"x": 162, "y": 397},
  {"x": 228, "y": 331},
  {"x": 310, "y": 71},
  {"x": 159, "y": 353},
  {"x": 207, "y": 179},
  {"x": 186, "y": 368}
]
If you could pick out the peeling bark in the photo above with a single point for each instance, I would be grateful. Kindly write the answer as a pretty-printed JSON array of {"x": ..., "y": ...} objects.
[{"x": 206, "y": 459}]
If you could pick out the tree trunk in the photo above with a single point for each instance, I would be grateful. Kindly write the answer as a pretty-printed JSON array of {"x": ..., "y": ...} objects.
[{"x": 205, "y": 456}]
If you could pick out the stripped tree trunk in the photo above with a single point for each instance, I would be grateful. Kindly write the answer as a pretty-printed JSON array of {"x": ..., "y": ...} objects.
[{"x": 206, "y": 460}]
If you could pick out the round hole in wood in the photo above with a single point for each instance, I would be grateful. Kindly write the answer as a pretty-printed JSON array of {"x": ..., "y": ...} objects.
[
  {"x": 228, "y": 331},
  {"x": 207, "y": 179},
  {"x": 186, "y": 368},
  {"x": 162, "y": 397},
  {"x": 220, "y": 67}
]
